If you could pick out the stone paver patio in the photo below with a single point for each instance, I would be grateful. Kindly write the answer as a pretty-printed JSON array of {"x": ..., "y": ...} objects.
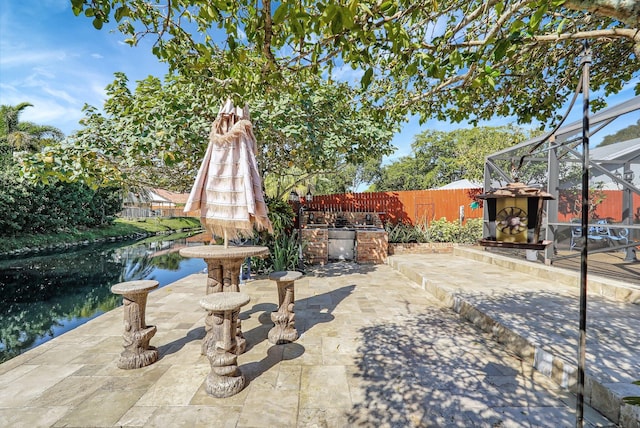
[{"x": 375, "y": 350}]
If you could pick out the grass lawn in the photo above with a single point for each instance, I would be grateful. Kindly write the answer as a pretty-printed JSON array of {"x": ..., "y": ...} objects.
[{"x": 121, "y": 227}]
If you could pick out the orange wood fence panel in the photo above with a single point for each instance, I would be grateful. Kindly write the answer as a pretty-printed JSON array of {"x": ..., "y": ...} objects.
[
  {"x": 414, "y": 206},
  {"x": 611, "y": 207}
]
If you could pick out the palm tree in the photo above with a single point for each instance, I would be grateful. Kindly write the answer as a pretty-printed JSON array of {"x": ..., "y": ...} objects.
[{"x": 24, "y": 136}]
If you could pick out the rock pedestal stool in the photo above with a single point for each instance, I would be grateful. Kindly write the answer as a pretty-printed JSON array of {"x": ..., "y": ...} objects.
[
  {"x": 284, "y": 330},
  {"x": 223, "y": 272},
  {"x": 225, "y": 378},
  {"x": 137, "y": 334}
]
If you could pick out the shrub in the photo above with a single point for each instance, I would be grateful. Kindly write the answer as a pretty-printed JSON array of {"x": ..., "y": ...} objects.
[
  {"x": 283, "y": 245},
  {"x": 406, "y": 232},
  {"x": 438, "y": 231},
  {"x": 27, "y": 208}
]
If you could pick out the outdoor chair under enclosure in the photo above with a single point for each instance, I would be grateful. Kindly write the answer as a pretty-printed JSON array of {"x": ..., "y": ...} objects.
[
  {"x": 576, "y": 234},
  {"x": 613, "y": 237}
]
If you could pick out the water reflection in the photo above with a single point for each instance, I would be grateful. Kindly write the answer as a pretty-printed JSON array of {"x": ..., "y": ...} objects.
[{"x": 44, "y": 296}]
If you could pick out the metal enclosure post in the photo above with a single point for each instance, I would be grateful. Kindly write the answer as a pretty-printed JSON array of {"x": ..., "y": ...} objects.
[
  {"x": 486, "y": 229},
  {"x": 582, "y": 344},
  {"x": 627, "y": 213},
  {"x": 553, "y": 185}
]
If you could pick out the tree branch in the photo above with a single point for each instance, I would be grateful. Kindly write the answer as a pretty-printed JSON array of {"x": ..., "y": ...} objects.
[
  {"x": 613, "y": 33},
  {"x": 624, "y": 11}
]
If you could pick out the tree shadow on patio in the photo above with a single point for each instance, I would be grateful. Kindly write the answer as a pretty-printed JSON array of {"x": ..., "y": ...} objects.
[
  {"x": 551, "y": 320},
  {"x": 309, "y": 312},
  {"x": 340, "y": 268},
  {"x": 197, "y": 333},
  {"x": 275, "y": 354},
  {"x": 432, "y": 369}
]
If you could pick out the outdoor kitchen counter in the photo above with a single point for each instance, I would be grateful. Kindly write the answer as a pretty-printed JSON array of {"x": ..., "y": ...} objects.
[
  {"x": 361, "y": 243},
  {"x": 372, "y": 245}
]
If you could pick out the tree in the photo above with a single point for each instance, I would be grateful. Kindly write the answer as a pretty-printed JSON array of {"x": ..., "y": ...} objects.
[
  {"x": 157, "y": 134},
  {"x": 625, "y": 134},
  {"x": 441, "y": 157},
  {"x": 454, "y": 59},
  {"x": 24, "y": 136},
  {"x": 349, "y": 177},
  {"x": 404, "y": 174}
]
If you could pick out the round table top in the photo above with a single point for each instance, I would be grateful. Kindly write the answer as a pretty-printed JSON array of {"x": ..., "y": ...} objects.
[
  {"x": 285, "y": 276},
  {"x": 220, "y": 252},
  {"x": 134, "y": 287},
  {"x": 224, "y": 301}
]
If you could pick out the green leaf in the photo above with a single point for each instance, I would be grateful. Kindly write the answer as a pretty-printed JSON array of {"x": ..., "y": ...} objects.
[
  {"x": 121, "y": 12},
  {"x": 385, "y": 6},
  {"x": 280, "y": 14},
  {"x": 97, "y": 23},
  {"x": 634, "y": 401},
  {"x": 366, "y": 78},
  {"x": 455, "y": 58},
  {"x": 517, "y": 24},
  {"x": 536, "y": 18},
  {"x": 501, "y": 49}
]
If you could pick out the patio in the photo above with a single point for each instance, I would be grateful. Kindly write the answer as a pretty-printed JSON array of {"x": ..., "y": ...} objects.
[{"x": 375, "y": 349}]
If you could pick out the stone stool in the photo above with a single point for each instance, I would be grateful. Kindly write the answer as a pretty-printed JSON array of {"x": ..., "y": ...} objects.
[
  {"x": 284, "y": 330},
  {"x": 137, "y": 334},
  {"x": 225, "y": 378}
]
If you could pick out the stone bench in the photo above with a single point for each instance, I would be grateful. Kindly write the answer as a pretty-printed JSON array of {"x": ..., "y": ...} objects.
[
  {"x": 225, "y": 378},
  {"x": 284, "y": 330},
  {"x": 137, "y": 334}
]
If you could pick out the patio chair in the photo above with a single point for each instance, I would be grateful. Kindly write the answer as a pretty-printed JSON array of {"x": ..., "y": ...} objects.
[
  {"x": 576, "y": 234},
  {"x": 613, "y": 236}
]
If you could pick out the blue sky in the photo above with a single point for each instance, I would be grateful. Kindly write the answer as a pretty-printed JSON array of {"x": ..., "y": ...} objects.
[{"x": 58, "y": 62}]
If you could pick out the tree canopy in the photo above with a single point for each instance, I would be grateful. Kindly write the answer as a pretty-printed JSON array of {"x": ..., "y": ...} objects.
[
  {"x": 452, "y": 59},
  {"x": 19, "y": 135},
  {"x": 439, "y": 157},
  {"x": 156, "y": 135},
  {"x": 625, "y": 134}
]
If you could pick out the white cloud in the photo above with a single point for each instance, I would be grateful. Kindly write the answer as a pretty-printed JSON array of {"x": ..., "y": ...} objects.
[
  {"x": 10, "y": 58},
  {"x": 44, "y": 72},
  {"x": 346, "y": 73},
  {"x": 96, "y": 56},
  {"x": 61, "y": 95},
  {"x": 7, "y": 87}
]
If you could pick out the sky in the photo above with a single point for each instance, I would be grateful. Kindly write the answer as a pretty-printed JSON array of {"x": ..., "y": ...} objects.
[{"x": 58, "y": 62}]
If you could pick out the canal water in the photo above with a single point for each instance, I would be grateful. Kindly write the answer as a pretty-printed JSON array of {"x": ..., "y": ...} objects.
[{"x": 45, "y": 295}]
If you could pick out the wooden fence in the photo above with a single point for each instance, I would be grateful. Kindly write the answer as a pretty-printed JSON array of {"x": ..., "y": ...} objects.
[
  {"x": 610, "y": 208},
  {"x": 413, "y": 206},
  {"x": 419, "y": 206}
]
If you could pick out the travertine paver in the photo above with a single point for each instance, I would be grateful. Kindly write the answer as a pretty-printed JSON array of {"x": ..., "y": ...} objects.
[
  {"x": 538, "y": 319},
  {"x": 375, "y": 350}
]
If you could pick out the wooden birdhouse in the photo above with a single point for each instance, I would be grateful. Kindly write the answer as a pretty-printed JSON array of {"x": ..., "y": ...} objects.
[{"x": 515, "y": 216}]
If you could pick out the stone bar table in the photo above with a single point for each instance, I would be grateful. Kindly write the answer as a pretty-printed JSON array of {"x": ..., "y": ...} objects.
[
  {"x": 225, "y": 378},
  {"x": 137, "y": 334},
  {"x": 223, "y": 266},
  {"x": 284, "y": 330}
]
